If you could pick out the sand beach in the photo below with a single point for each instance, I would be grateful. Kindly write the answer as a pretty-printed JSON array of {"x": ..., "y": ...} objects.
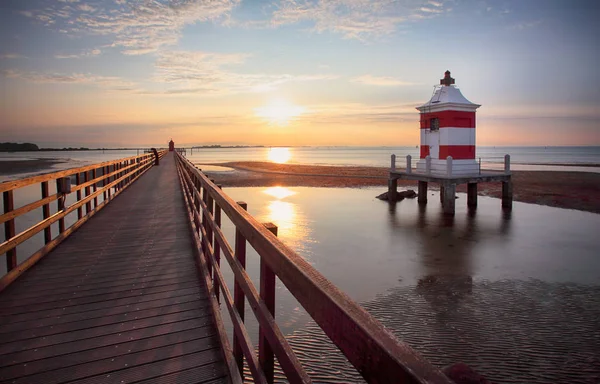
[{"x": 561, "y": 189}]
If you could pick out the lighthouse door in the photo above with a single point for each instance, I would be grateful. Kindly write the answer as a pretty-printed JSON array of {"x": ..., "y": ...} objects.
[{"x": 434, "y": 144}]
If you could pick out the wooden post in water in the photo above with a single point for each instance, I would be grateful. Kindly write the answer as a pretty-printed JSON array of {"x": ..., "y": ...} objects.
[
  {"x": 238, "y": 293},
  {"x": 392, "y": 182},
  {"x": 472, "y": 195},
  {"x": 422, "y": 196},
  {"x": 46, "y": 213},
  {"x": 507, "y": 191},
  {"x": 9, "y": 230},
  {"x": 408, "y": 164},
  {"x": 267, "y": 294},
  {"x": 449, "y": 199}
]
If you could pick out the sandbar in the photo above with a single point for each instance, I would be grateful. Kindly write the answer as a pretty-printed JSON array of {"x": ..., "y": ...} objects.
[{"x": 562, "y": 189}]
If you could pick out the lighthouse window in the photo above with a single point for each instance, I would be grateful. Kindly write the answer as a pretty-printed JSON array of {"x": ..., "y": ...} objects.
[{"x": 434, "y": 124}]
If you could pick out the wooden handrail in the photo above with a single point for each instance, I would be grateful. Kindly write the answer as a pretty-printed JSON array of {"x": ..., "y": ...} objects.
[
  {"x": 124, "y": 172},
  {"x": 376, "y": 354}
]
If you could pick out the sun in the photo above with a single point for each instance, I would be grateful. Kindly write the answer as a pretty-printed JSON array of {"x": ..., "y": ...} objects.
[{"x": 279, "y": 112}]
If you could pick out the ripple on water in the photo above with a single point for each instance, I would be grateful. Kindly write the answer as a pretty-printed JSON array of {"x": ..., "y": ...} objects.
[{"x": 510, "y": 331}]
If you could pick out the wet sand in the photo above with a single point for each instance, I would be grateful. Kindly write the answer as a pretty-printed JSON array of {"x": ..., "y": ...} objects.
[
  {"x": 571, "y": 190},
  {"x": 27, "y": 166}
]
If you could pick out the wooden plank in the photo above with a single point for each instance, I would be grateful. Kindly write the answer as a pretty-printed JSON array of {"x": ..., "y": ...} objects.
[
  {"x": 119, "y": 297},
  {"x": 72, "y": 359}
]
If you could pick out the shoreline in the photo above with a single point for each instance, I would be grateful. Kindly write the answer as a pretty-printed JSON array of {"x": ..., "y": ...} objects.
[
  {"x": 12, "y": 167},
  {"x": 560, "y": 189}
]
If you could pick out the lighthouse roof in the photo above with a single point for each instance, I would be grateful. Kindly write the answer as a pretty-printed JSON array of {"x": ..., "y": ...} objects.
[{"x": 448, "y": 97}]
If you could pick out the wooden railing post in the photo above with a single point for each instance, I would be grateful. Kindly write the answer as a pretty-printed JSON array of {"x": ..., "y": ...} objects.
[
  {"x": 105, "y": 171},
  {"x": 94, "y": 188},
  {"x": 88, "y": 205},
  {"x": 60, "y": 205},
  {"x": 46, "y": 213},
  {"x": 9, "y": 230},
  {"x": 238, "y": 293},
  {"x": 267, "y": 294},
  {"x": 217, "y": 247},
  {"x": 204, "y": 224},
  {"x": 78, "y": 182}
]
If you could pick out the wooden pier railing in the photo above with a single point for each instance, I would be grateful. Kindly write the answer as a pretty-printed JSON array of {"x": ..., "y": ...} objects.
[
  {"x": 376, "y": 354},
  {"x": 93, "y": 185}
]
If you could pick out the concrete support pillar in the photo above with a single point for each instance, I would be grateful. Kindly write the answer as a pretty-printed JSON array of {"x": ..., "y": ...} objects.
[
  {"x": 392, "y": 189},
  {"x": 449, "y": 199},
  {"x": 472, "y": 195},
  {"x": 393, "y": 163},
  {"x": 507, "y": 194},
  {"x": 408, "y": 163},
  {"x": 422, "y": 197},
  {"x": 442, "y": 193}
]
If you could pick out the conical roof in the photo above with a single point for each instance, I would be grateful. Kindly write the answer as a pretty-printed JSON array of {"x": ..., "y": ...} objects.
[{"x": 448, "y": 97}]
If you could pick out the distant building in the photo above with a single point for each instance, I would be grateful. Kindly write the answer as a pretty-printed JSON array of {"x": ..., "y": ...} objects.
[
  {"x": 171, "y": 146},
  {"x": 448, "y": 129}
]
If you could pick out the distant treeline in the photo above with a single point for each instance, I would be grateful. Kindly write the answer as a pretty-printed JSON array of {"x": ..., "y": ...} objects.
[{"x": 16, "y": 147}]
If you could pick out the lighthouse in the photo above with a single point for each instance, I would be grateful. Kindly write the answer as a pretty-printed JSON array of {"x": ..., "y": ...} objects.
[{"x": 447, "y": 126}]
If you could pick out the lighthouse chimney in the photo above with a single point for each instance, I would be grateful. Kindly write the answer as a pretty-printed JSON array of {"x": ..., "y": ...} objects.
[{"x": 448, "y": 130}]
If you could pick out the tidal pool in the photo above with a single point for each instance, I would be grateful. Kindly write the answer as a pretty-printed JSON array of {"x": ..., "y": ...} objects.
[{"x": 514, "y": 294}]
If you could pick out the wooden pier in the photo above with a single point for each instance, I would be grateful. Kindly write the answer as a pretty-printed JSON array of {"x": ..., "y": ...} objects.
[{"x": 136, "y": 294}]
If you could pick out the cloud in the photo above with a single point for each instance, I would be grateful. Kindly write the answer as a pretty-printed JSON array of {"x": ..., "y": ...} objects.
[
  {"x": 84, "y": 54},
  {"x": 382, "y": 81},
  {"x": 355, "y": 19},
  {"x": 189, "y": 72},
  {"x": 108, "y": 82},
  {"x": 136, "y": 27},
  {"x": 526, "y": 25},
  {"x": 12, "y": 56}
]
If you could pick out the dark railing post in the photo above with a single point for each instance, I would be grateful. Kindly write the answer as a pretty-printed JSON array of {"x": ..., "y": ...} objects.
[
  {"x": 78, "y": 182},
  {"x": 238, "y": 293},
  {"x": 105, "y": 171},
  {"x": 46, "y": 213},
  {"x": 109, "y": 180},
  {"x": 267, "y": 294},
  {"x": 88, "y": 205},
  {"x": 60, "y": 205},
  {"x": 94, "y": 187},
  {"x": 9, "y": 230},
  {"x": 217, "y": 245}
]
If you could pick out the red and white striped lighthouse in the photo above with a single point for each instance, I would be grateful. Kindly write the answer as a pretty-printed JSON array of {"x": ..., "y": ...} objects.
[{"x": 448, "y": 129}]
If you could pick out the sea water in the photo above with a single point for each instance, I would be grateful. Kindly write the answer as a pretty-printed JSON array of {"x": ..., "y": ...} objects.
[{"x": 516, "y": 294}]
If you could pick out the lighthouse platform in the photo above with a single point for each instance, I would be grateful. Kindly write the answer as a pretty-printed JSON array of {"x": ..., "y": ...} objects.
[{"x": 448, "y": 181}]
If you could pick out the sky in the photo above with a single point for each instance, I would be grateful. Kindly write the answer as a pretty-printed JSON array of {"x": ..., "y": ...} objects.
[{"x": 115, "y": 73}]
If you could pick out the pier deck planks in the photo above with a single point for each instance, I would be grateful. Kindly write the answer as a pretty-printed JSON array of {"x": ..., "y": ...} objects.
[{"x": 118, "y": 301}]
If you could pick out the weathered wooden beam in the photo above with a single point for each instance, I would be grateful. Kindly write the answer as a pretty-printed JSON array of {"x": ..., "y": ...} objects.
[{"x": 392, "y": 189}]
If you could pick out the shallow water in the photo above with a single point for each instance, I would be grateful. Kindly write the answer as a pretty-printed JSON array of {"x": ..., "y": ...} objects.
[{"x": 515, "y": 295}]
